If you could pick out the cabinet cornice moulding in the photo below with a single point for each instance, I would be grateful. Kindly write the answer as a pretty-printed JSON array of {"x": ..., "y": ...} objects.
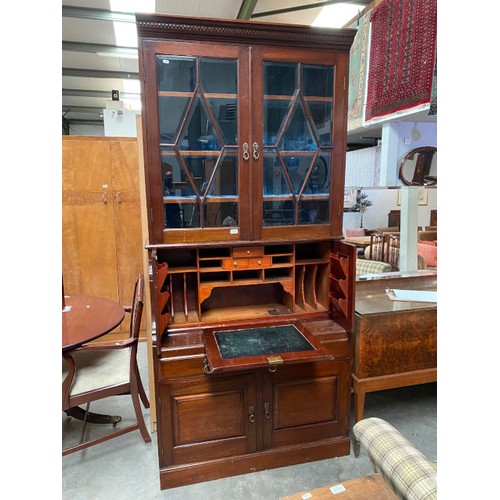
[{"x": 179, "y": 28}]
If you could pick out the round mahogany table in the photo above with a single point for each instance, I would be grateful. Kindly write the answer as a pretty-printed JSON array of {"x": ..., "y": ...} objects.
[{"x": 87, "y": 318}]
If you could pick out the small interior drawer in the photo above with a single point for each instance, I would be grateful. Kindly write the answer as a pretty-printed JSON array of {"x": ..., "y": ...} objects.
[
  {"x": 257, "y": 251},
  {"x": 229, "y": 264},
  {"x": 257, "y": 262}
]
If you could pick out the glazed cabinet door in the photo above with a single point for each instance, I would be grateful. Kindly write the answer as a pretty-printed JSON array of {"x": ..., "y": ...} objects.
[
  {"x": 205, "y": 418},
  {"x": 196, "y": 98},
  {"x": 305, "y": 403},
  {"x": 299, "y": 137}
]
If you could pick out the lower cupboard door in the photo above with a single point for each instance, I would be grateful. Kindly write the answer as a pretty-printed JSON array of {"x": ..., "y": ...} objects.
[
  {"x": 205, "y": 418},
  {"x": 305, "y": 403}
]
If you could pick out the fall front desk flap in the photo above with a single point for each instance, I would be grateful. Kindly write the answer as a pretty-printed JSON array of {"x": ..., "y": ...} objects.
[{"x": 270, "y": 346}]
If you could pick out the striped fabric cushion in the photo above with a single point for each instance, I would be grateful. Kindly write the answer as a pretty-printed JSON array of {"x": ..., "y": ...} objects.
[{"x": 411, "y": 475}]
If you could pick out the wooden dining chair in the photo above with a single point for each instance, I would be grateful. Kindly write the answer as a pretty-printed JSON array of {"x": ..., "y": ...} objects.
[{"x": 101, "y": 370}]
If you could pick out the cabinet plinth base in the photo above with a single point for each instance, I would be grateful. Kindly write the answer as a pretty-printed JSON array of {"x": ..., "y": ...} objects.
[{"x": 181, "y": 475}]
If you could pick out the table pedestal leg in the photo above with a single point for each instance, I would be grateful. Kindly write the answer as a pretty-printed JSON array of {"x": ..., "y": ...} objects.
[{"x": 94, "y": 418}]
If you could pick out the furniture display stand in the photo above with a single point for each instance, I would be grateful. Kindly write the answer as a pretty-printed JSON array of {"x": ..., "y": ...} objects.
[{"x": 252, "y": 291}]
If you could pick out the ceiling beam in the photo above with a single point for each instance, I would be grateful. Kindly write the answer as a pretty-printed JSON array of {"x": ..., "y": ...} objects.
[
  {"x": 103, "y": 94},
  {"x": 99, "y": 48},
  {"x": 76, "y": 121},
  {"x": 97, "y": 14},
  {"x": 305, "y": 7},
  {"x": 94, "y": 73},
  {"x": 246, "y": 9},
  {"x": 93, "y": 110}
]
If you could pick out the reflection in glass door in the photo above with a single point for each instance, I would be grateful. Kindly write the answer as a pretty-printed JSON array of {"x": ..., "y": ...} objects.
[
  {"x": 197, "y": 102},
  {"x": 297, "y": 139}
]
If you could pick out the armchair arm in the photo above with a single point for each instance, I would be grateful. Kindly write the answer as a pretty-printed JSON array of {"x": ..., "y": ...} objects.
[
  {"x": 99, "y": 346},
  {"x": 410, "y": 474}
]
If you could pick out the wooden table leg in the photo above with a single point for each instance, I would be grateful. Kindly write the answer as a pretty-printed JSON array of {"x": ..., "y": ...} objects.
[
  {"x": 359, "y": 402},
  {"x": 359, "y": 406}
]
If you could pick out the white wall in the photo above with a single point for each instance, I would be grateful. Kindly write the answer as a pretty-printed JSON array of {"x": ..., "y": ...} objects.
[
  {"x": 397, "y": 139},
  {"x": 120, "y": 123},
  {"x": 383, "y": 201},
  {"x": 83, "y": 129},
  {"x": 379, "y": 165}
]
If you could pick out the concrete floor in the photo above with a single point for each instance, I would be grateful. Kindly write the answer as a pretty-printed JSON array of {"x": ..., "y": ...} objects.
[{"x": 127, "y": 468}]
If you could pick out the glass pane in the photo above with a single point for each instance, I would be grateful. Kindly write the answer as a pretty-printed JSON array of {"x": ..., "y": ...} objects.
[
  {"x": 297, "y": 167},
  {"x": 221, "y": 214},
  {"x": 175, "y": 180},
  {"x": 176, "y": 74},
  {"x": 317, "y": 81},
  {"x": 279, "y": 78},
  {"x": 279, "y": 212},
  {"x": 314, "y": 212},
  {"x": 173, "y": 215},
  {"x": 218, "y": 76},
  {"x": 198, "y": 133},
  {"x": 189, "y": 214},
  {"x": 298, "y": 134},
  {"x": 200, "y": 167},
  {"x": 319, "y": 180},
  {"x": 225, "y": 112},
  {"x": 274, "y": 180},
  {"x": 274, "y": 114},
  {"x": 321, "y": 112},
  {"x": 225, "y": 181},
  {"x": 171, "y": 111}
]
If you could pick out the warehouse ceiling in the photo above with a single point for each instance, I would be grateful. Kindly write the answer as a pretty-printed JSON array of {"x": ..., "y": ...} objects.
[{"x": 99, "y": 44}]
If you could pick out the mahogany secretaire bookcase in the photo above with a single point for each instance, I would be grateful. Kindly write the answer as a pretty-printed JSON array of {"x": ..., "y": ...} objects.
[{"x": 244, "y": 128}]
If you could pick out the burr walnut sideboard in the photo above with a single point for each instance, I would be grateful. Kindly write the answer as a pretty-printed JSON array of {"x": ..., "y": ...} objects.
[
  {"x": 395, "y": 342},
  {"x": 252, "y": 291}
]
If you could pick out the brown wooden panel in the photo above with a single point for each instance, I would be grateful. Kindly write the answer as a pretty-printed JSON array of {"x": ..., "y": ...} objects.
[
  {"x": 217, "y": 415},
  {"x": 339, "y": 348},
  {"x": 291, "y": 402},
  {"x": 102, "y": 239},
  {"x": 125, "y": 164},
  {"x": 309, "y": 402},
  {"x": 371, "y": 487},
  {"x": 127, "y": 216},
  {"x": 392, "y": 343},
  {"x": 205, "y": 418},
  {"x": 85, "y": 164},
  {"x": 179, "y": 475},
  {"x": 182, "y": 366},
  {"x": 89, "y": 251}
]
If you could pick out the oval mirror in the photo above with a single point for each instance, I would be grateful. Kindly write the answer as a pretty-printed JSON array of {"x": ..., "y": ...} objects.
[{"x": 419, "y": 167}]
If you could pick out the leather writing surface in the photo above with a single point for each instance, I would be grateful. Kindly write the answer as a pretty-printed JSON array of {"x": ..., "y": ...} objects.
[{"x": 261, "y": 341}]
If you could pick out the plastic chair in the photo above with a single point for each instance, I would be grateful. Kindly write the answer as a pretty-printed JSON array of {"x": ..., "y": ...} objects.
[{"x": 101, "y": 370}]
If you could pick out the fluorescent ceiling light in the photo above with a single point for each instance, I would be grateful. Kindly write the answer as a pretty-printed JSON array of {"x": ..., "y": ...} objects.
[
  {"x": 124, "y": 55},
  {"x": 126, "y": 33},
  {"x": 337, "y": 15},
  {"x": 132, "y": 5}
]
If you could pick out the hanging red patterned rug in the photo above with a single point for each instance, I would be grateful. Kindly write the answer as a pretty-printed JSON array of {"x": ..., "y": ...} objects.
[{"x": 402, "y": 51}]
